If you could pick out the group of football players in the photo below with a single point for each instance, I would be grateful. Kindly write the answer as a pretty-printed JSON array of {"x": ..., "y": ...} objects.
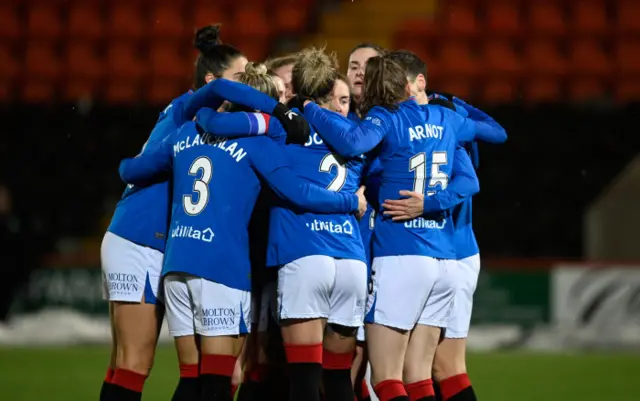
[{"x": 287, "y": 209}]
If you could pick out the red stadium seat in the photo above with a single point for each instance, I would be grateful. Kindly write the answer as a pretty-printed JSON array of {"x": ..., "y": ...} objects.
[
  {"x": 10, "y": 24},
  {"x": 161, "y": 91},
  {"x": 291, "y": 20},
  {"x": 126, "y": 20},
  {"x": 168, "y": 20},
  {"x": 457, "y": 59},
  {"x": 586, "y": 89},
  {"x": 124, "y": 61},
  {"x": 501, "y": 59},
  {"x": 6, "y": 91},
  {"x": 35, "y": 91},
  {"x": 543, "y": 58},
  {"x": 417, "y": 33},
  {"x": 251, "y": 23},
  {"x": 41, "y": 61},
  {"x": 627, "y": 13},
  {"x": 123, "y": 91},
  {"x": 166, "y": 60},
  {"x": 85, "y": 21},
  {"x": 460, "y": 18},
  {"x": 79, "y": 89},
  {"x": 627, "y": 90},
  {"x": 496, "y": 91},
  {"x": 542, "y": 90},
  {"x": 205, "y": 15},
  {"x": 44, "y": 21},
  {"x": 546, "y": 17},
  {"x": 589, "y": 17},
  {"x": 10, "y": 65},
  {"x": 254, "y": 49},
  {"x": 628, "y": 58},
  {"x": 83, "y": 61},
  {"x": 461, "y": 87},
  {"x": 588, "y": 58},
  {"x": 504, "y": 17}
]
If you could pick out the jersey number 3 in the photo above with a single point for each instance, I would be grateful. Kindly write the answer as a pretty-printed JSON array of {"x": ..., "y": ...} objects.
[
  {"x": 418, "y": 164},
  {"x": 201, "y": 167},
  {"x": 330, "y": 161}
]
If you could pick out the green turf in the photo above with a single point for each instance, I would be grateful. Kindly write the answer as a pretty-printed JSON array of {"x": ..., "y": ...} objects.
[{"x": 75, "y": 374}]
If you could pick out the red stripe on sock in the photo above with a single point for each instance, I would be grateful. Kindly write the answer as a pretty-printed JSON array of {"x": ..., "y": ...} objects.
[
  {"x": 258, "y": 373},
  {"x": 453, "y": 385},
  {"x": 389, "y": 389},
  {"x": 365, "y": 389},
  {"x": 128, "y": 379},
  {"x": 420, "y": 389},
  {"x": 333, "y": 361},
  {"x": 221, "y": 365},
  {"x": 108, "y": 378},
  {"x": 189, "y": 370},
  {"x": 303, "y": 353}
]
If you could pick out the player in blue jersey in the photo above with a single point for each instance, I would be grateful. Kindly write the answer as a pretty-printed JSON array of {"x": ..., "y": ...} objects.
[
  {"x": 208, "y": 241},
  {"x": 132, "y": 249},
  {"x": 416, "y": 148},
  {"x": 449, "y": 364}
]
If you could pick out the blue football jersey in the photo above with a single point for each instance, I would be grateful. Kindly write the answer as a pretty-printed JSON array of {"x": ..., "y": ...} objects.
[
  {"x": 293, "y": 235},
  {"x": 142, "y": 214},
  {"x": 215, "y": 187},
  {"x": 416, "y": 148}
]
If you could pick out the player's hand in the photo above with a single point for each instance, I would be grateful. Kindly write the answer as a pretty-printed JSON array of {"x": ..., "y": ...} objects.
[
  {"x": 408, "y": 208},
  {"x": 297, "y": 128},
  {"x": 362, "y": 202}
]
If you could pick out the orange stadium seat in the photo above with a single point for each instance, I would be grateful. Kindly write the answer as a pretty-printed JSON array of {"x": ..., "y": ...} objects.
[
  {"x": 161, "y": 91},
  {"x": 41, "y": 60},
  {"x": 497, "y": 91},
  {"x": 586, "y": 89},
  {"x": 253, "y": 48},
  {"x": 83, "y": 61},
  {"x": 6, "y": 91},
  {"x": 627, "y": 12},
  {"x": 415, "y": 33},
  {"x": 587, "y": 57},
  {"x": 503, "y": 17},
  {"x": 35, "y": 91},
  {"x": 44, "y": 21},
  {"x": 126, "y": 20},
  {"x": 85, "y": 21},
  {"x": 168, "y": 20},
  {"x": 543, "y": 58},
  {"x": 546, "y": 17},
  {"x": 627, "y": 90},
  {"x": 10, "y": 65},
  {"x": 461, "y": 87},
  {"x": 166, "y": 60},
  {"x": 628, "y": 57},
  {"x": 460, "y": 18},
  {"x": 500, "y": 58},
  {"x": 10, "y": 25},
  {"x": 251, "y": 23},
  {"x": 542, "y": 90},
  {"x": 123, "y": 91},
  {"x": 589, "y": 17},
  {"x": 77, "y": 89},
  {"x": 456, "y": 58},
  {"x": 124, "y": 61},
  {"x": 204, "y": 15}
]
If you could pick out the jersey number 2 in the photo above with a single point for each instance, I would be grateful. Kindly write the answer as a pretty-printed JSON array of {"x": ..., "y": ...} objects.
[
  {"x": 418, "y": 164},
  {"x": 330, "y": 161},
  {"x": 203, "y": 168}
]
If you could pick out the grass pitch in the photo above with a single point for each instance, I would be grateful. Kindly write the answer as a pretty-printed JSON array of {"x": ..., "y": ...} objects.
[{"x": 76, "y": 373}]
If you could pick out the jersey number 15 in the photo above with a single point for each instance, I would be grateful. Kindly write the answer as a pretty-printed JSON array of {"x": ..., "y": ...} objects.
[{"x": 418, "y": 164}]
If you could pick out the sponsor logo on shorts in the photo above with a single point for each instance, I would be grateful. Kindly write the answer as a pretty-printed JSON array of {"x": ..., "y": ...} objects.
[
  {"x": 330, "y": 226},
  {"x": 123, "y": 283},
  {"x": 423, "y": 223},
  {"x": 205, "y": 235},
  {"x": 219, "y": 318}
]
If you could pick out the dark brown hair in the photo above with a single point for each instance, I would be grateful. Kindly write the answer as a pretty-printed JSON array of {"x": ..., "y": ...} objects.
[
  {"x": 368, "y": 45},
  {"x": 214, "y": 57},
  {"x": 314, "y": 74},
  {"x": 278, "y": 62},
  {"x": 413, "y": 64},
  {"x": 385, "y": 84}
]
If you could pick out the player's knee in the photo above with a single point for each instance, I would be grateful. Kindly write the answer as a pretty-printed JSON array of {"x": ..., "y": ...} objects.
[
  {"x": 449, "y": 360},
  {"x": 415, "y": 369}
]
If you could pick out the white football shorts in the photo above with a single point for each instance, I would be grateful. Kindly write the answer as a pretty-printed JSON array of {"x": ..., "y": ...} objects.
[
  {"x": 179, "y": 308},
  {"x": 409, "y": 290},
  {"x": 130, "y": 271},
  {"x": 465, "y": 275},
  {"x": 320, "y": 286}
]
